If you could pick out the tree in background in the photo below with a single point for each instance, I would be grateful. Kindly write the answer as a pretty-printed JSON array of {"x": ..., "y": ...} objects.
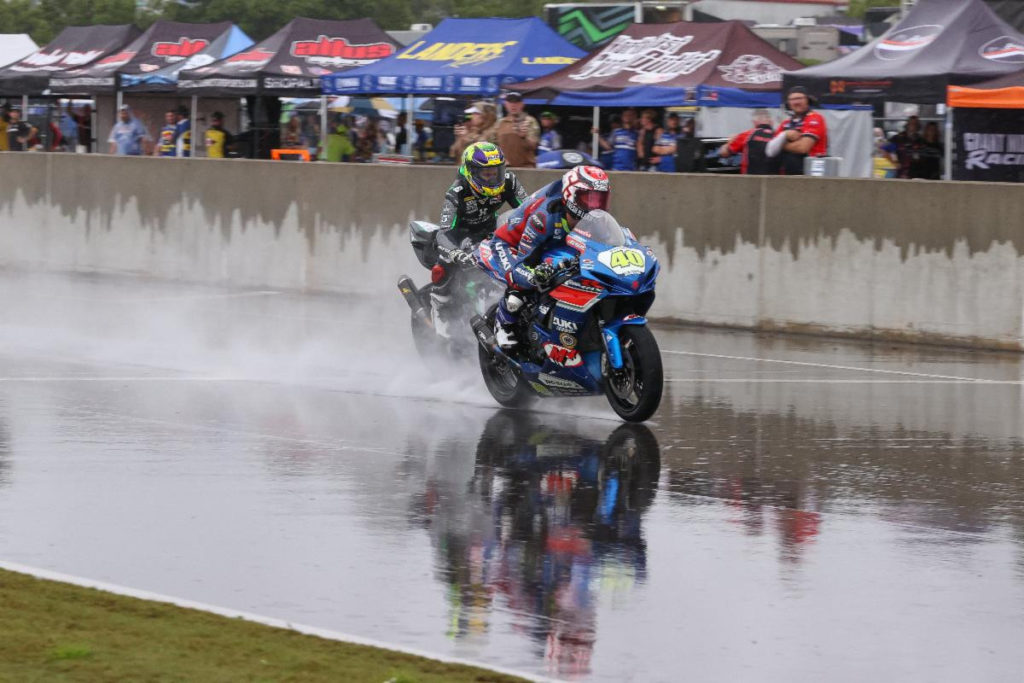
[{"x": 857, "y": 8}]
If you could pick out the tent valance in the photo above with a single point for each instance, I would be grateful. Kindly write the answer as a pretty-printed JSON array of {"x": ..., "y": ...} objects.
[{"x": 463, "y": 57}]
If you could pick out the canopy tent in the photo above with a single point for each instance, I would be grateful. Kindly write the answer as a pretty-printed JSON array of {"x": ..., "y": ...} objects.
[
  {"x": 229, "y": 42},
  {"x": 463, "y": 57},
  {"x": 291, "y": 62},
  {"x": 937, "y": 44},
  {"x": 986, "y": 139},
  {"x": 76, "y": 46},
  {"x": 706, "y": 64},
  {"x": 1005, "y": 92},
  {"x": 164, "y": 43},
  {"x": 15, "y": 46}
]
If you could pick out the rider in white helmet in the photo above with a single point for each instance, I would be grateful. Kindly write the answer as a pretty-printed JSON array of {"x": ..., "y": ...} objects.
[{"x": 548, "y": 214}]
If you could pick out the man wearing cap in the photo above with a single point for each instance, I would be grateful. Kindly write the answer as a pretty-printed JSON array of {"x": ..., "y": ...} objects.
[
  {"x": 805, "y": 133},
  {"x": 127, "y": 135},
  {"x": 550, "y": 140},
  {"x": 518, "y": 133},
  {"x": 479, "y": 127}
]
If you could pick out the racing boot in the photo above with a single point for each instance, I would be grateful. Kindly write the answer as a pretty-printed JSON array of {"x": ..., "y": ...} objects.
[{"x": 505, "y": 319}]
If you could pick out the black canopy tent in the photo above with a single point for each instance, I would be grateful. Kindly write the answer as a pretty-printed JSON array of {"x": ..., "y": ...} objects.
[
  {"x": 290, "y": 63},
  {"x": 937, "y": 44}
]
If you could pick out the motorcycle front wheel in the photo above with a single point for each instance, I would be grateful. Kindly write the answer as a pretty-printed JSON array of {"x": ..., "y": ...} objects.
[
  {"x": 634, "y": 392},
  {"x": 502, "y": 378}
]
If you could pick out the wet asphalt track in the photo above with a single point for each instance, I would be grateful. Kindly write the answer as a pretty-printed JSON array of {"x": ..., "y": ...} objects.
[{"x": 799, "y": 509}]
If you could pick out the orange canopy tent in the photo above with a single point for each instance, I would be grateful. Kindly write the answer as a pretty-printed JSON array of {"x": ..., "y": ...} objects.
[{"x": 1005, "y": 92}]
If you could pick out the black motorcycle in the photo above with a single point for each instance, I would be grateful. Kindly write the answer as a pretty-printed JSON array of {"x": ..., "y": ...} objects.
[{"x": 442, "y": 308}]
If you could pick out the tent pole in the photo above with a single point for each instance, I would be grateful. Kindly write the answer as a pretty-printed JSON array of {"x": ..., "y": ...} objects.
[
  {"x": 595, "y": 134},
  {"x": 192, "y": 125},
  {"x": 323, "y": 128},
  {"x": 948, "y": 175},
  {"x": 410, "y": 129},
  {"x": 119, "y": 101}
]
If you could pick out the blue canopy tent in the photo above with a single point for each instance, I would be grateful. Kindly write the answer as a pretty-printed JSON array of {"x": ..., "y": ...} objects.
[{"x": 462, "y": 57}]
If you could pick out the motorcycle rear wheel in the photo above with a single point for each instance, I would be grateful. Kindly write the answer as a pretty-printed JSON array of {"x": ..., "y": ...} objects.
[
  {"x": 634, "y": 392},
  {"x": 427, "y": 343}
]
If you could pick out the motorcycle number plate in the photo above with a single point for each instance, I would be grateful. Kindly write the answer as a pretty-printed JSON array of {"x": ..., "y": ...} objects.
[{"x": 623, "y": 260}]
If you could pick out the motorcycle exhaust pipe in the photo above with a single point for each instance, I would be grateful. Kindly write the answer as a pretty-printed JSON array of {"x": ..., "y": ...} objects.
[{"x": 408, "y": 290}]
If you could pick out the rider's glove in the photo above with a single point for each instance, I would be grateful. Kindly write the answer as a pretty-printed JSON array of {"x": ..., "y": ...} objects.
[
  {"x": 543, "y": 274},
  {"x": 460, "y": 258}
]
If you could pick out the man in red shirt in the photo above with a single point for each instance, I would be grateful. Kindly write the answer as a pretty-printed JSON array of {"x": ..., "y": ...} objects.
[
  {"x": 806, "y": 133},
  {"x": 752, "y": 144}
]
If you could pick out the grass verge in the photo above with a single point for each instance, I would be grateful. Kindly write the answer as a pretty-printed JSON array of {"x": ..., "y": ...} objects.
[{"x": 53, "y": 631}]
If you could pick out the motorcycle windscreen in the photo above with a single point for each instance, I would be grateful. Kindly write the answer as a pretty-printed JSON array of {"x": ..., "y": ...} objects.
[{"x": 602, "y": 227}]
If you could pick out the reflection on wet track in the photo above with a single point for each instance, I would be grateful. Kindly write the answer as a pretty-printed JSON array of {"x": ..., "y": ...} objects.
[{"x": 799, "y": 509}]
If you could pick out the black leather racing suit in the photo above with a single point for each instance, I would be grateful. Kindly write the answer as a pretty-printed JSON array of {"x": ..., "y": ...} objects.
[{"x": 464, "y": 214}]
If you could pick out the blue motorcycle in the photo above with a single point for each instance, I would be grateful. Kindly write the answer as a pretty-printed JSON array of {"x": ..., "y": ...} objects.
[{"x": 585, "y": 334}]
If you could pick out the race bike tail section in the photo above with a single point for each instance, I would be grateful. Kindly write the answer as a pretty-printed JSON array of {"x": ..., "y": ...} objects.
[
  {"x": 586, "y": 334},
  {"x": 457, "y": 291}
]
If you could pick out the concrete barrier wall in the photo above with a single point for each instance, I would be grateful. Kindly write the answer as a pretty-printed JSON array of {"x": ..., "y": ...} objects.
[{"x": 909, "y": 260}]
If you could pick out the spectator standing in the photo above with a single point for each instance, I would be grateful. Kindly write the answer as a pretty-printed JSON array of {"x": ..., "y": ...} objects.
[
  {"x": 907, "y": 142},
  {"x": 367, "y": 141},
  {"x": 927, "y": 156},
  {"x": 166, "y": 141},
  {"x": 689, "y": 149},
  {"x": 752, "y": 144},
  {"x": 884, "y": 158},
  {"x": 182, "y": 133},
  {"x": 18, "y": 132},
  {"x": 517, "y": 133},
  {"x": 649, "y": 132},
  {"x": 550, "y": 140},
  {"x": 622, "y": 142},
  {"x": 127, "y": 134},
  {"x": 4, "y": 116},
  {"x": 422, "y": 139},
  {"x": 339, "y": 141},
  {"x": 292, "y": 136},
  {"x": 401, "y": 134},
  {"x": 83, "y": 123},
  {"x": 218, "y": 139},
  {"x": 805, "y": 132},
  {"x": 665, "y": 146},
  {"x": 479, "y": 127}
]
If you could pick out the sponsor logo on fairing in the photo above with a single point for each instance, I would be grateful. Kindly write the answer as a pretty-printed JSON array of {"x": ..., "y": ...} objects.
[
  {"x": 560, "y": 384},
  {"x": 751, "y": 70},
  {"x": 1004, "y": 49},
  {"x": 177, "y": 51},
  {"x": 569, "y": 358},
  {"x": 567, "y": 340},
  {"x": 906, "y": 41},
  {"x": 564, "y": 325},
  {"x": 327, "y": 51}
]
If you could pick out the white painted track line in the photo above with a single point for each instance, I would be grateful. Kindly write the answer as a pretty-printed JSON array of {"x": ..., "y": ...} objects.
[{"x": 827, "y": 366}]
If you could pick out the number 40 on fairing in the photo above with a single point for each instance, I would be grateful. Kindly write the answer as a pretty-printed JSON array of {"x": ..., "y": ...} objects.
[{"x": 623, "y": 260}]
